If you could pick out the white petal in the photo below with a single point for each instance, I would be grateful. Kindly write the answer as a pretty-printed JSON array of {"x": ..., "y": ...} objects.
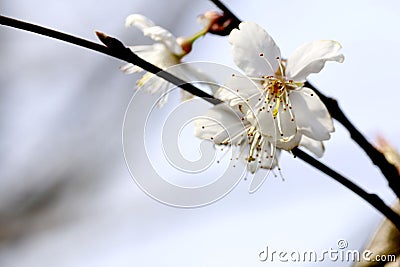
[
  {"x": 289, "y": 143},
  {"x": 240, "y": 92},
  {"x": 142, "y": 48},
  {"x": 265, "y": 123},
  {"x": 243, "y": 87},
  {"x": 139, "y": 21},
  {"x": 153, "y": 84},
  {"x": 130, "y": 68},
  {"x": 157, "y": 54},
  {"x": 248, "y": 42},
  {"x": 185, "y": 96},
  {"x": 227, "y": 93},
  {"x": 162, "y": 100},
  {"x": 311, "y": 115},
  {"x": 162, "y": 35},
  {"x": 156, "y": 33},
  {"x": 311, "y": 58},
  {"x": 287, "y": 127},
  {"x": 316, "y": 147},
  {"x": 219, "y": 124}
]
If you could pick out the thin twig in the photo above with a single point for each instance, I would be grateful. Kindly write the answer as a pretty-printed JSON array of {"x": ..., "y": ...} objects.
[
  {"x": 389, "y": 170},
  {"x": 115, "y": 48},
  {"x": 26, "y": 26},
  {"x": 372, "y": 199}
]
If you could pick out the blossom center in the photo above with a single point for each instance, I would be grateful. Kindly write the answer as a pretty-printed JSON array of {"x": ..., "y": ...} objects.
[{"x": 276, "y": 90}]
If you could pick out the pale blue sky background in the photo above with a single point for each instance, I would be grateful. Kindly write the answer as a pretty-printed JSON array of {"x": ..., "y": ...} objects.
[{"x": 66, "y": 197}]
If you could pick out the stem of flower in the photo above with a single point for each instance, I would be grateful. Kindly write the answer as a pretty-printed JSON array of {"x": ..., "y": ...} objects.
[
  {"x": 388, "y": 170},
  {"x": 372, "y": 199},
  {"x": 115, "y": 48}
]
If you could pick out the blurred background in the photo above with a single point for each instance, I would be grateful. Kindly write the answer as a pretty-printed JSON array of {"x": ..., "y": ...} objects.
[{"x": 66, "y": 196}]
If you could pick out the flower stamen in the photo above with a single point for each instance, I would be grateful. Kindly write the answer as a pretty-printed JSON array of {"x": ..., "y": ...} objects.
[{"x": 281, "y": 68}]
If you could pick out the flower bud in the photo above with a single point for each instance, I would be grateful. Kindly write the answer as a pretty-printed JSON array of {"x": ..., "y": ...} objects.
[
  {"x": 185, "y": 43},
  {"x": 216, "y": 23}
]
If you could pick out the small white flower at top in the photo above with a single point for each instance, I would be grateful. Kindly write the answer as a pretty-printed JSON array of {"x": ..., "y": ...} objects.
[
  {"x": 167, "y": 51},
  {"x": 275, "y": 108}
]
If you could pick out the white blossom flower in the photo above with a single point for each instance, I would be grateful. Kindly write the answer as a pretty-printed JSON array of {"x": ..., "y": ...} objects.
[
  {"x": 167, "y": 51},
  {"x": 274, "y": 106}
]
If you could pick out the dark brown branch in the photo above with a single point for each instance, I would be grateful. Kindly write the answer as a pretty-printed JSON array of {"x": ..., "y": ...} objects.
[
  {"x": 388, "y": 169},
  {"x": 26, "y": 26},
  {"x": 372, "y": 199}
]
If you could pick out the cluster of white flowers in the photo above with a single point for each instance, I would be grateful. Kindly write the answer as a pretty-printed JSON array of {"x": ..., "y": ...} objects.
[{"x": 267, "y": 109}]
